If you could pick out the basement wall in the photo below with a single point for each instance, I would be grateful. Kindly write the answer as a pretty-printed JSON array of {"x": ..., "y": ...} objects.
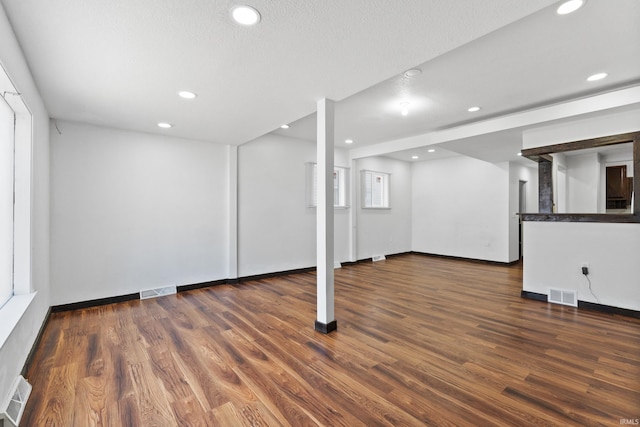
[
  {"x": 133, "y": 211},
  {"x": 461, "y": 208}
]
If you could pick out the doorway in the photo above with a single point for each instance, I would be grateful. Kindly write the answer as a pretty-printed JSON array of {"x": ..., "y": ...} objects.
[{"x": 522, "y": 208}]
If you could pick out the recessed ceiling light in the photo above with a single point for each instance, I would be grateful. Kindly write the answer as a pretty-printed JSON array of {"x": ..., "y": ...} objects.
[
  {"x": 404, "y": 108},
  {"x": 284, "y": 127},
  {"x": 431, "y": 150},
  {"x": 415, "y": 157},
  {"x": 473, "y": 109},
  {"x": 348, "y": 141},
  {"x": 165, "y": 125},
  {"x": 245, "y": 15},
  {"x": 414, "y": 72},
  {"x": 519, "y": 154},
  {"x": 570, "y": 6},
  {"x": 597, "y": 77},
  {"x": 186, "y": 94}
]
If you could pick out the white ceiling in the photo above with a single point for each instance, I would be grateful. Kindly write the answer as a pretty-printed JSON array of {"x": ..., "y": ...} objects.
[
  {"x": 120, "y": 63},
  {"x": 539, "y": 60}
]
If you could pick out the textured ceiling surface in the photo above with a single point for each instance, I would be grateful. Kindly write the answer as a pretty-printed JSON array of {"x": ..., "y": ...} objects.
[
  {"x": 539, "y": 60},
  {"x": 119, "y": 63}
]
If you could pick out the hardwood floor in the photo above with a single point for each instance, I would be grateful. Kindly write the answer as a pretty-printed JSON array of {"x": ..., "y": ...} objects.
[{"x": 420, "y": 341}]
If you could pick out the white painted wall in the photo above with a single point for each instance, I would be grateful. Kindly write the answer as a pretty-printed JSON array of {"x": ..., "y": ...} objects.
[
  {"x": 341, "y": 216},
  {"x": 583, "y": 183},
  {"x": 133, "y": 211},
  {"x": 384, "y": 231},
  {"x": 529, "y": 174},
  {"x": 14, "y": 351},
  {"x": 554, "y": 254},
  {"x": 559, "y": 182},
  {"x": 461, "y": 208},
  {"x": 276, "y": 230},
  {"x": 622, "y": 120},
  {"x": 579, "y": 180}
]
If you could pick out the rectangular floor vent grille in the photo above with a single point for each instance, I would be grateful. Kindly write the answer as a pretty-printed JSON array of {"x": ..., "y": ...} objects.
[
  {"x": 13, "y": 409},
  {"x": 564, "y": 297},
  {"x": 158, "y": 292},
  {"x": 378, "y": 258}
]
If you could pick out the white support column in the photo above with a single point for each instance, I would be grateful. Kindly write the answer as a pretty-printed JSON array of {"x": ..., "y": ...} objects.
[
  {"x": 232, "y": 200},
  {"x": 325, "y": 321},
  {"x": 354, "y": 192}
]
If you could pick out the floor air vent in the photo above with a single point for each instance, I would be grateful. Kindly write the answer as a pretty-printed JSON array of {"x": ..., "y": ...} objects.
[
  {"x": 158, "y": 292},
  {"x": 561, "y": 296},
  {"x": 378, "y": 258},
  {"x": 12, "y": 409}
]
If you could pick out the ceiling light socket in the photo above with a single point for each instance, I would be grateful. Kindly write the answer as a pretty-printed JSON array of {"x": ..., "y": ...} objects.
[
  {"x": 404, "y": 108},
  {"x": 570, "y": 6},
  {"x": 186, "y": 94},
  {"x": 245, "y": 15},
  {"x": 596, "y": 77},
  {"x": 414, "y": 72}
]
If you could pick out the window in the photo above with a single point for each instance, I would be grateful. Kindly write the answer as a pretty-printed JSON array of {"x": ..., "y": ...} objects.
[
  {"x": 7, "y": 180},
  {"x": 375, "y": 190},
  {"x": 15, "y": 205},
  {"x": 16, "y": 293},
  {"x": 340, "y": 186}
]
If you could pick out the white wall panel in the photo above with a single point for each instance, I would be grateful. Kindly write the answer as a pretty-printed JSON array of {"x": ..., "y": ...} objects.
[
  {"x": 277, "y": 231},
  {"x": 461, "y": 208},
  {"x": 133, "y": 211},
  {"x": 554, "y": 253},
  {"x": 384, "y": 231}
]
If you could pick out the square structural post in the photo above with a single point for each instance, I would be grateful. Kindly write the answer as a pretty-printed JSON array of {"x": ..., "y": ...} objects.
[{"x": 325, "y": 321}]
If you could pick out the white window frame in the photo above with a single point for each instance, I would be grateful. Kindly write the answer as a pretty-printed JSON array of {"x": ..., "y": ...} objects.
[
  {"x": 341, "y": 186},
  {"x": 7, "y": 196},
  {"x": 375, "y": 189},
  {"x": 23, "y": 293}
]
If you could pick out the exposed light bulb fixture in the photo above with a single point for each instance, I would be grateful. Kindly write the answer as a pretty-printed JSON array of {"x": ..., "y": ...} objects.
[
  {"x": 404, "y": 108},
  {"x": 245, "y": 15},
  {"x": 415, "y": 157},
  {"x": 414, "y": 72},
  {"x": 596, "y": 77},
  {"x": 519, "y": 154},
  {"x": 186, "y": 94},
  {"x": 348, "y": 141},
  {"x": 569, "y": 7},
  {"x": 164, "y": 125},
  {"x": 284, "y": 127},
  {"x": 431, "y": 150},
  {"x": 473, "y": 109}
]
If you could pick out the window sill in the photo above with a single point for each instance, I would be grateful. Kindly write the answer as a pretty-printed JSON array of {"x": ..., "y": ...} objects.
[{"x": 11, "y": 313}]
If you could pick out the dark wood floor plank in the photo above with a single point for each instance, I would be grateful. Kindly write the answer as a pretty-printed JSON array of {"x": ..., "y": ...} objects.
[{"x": 420, "y": 341}]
